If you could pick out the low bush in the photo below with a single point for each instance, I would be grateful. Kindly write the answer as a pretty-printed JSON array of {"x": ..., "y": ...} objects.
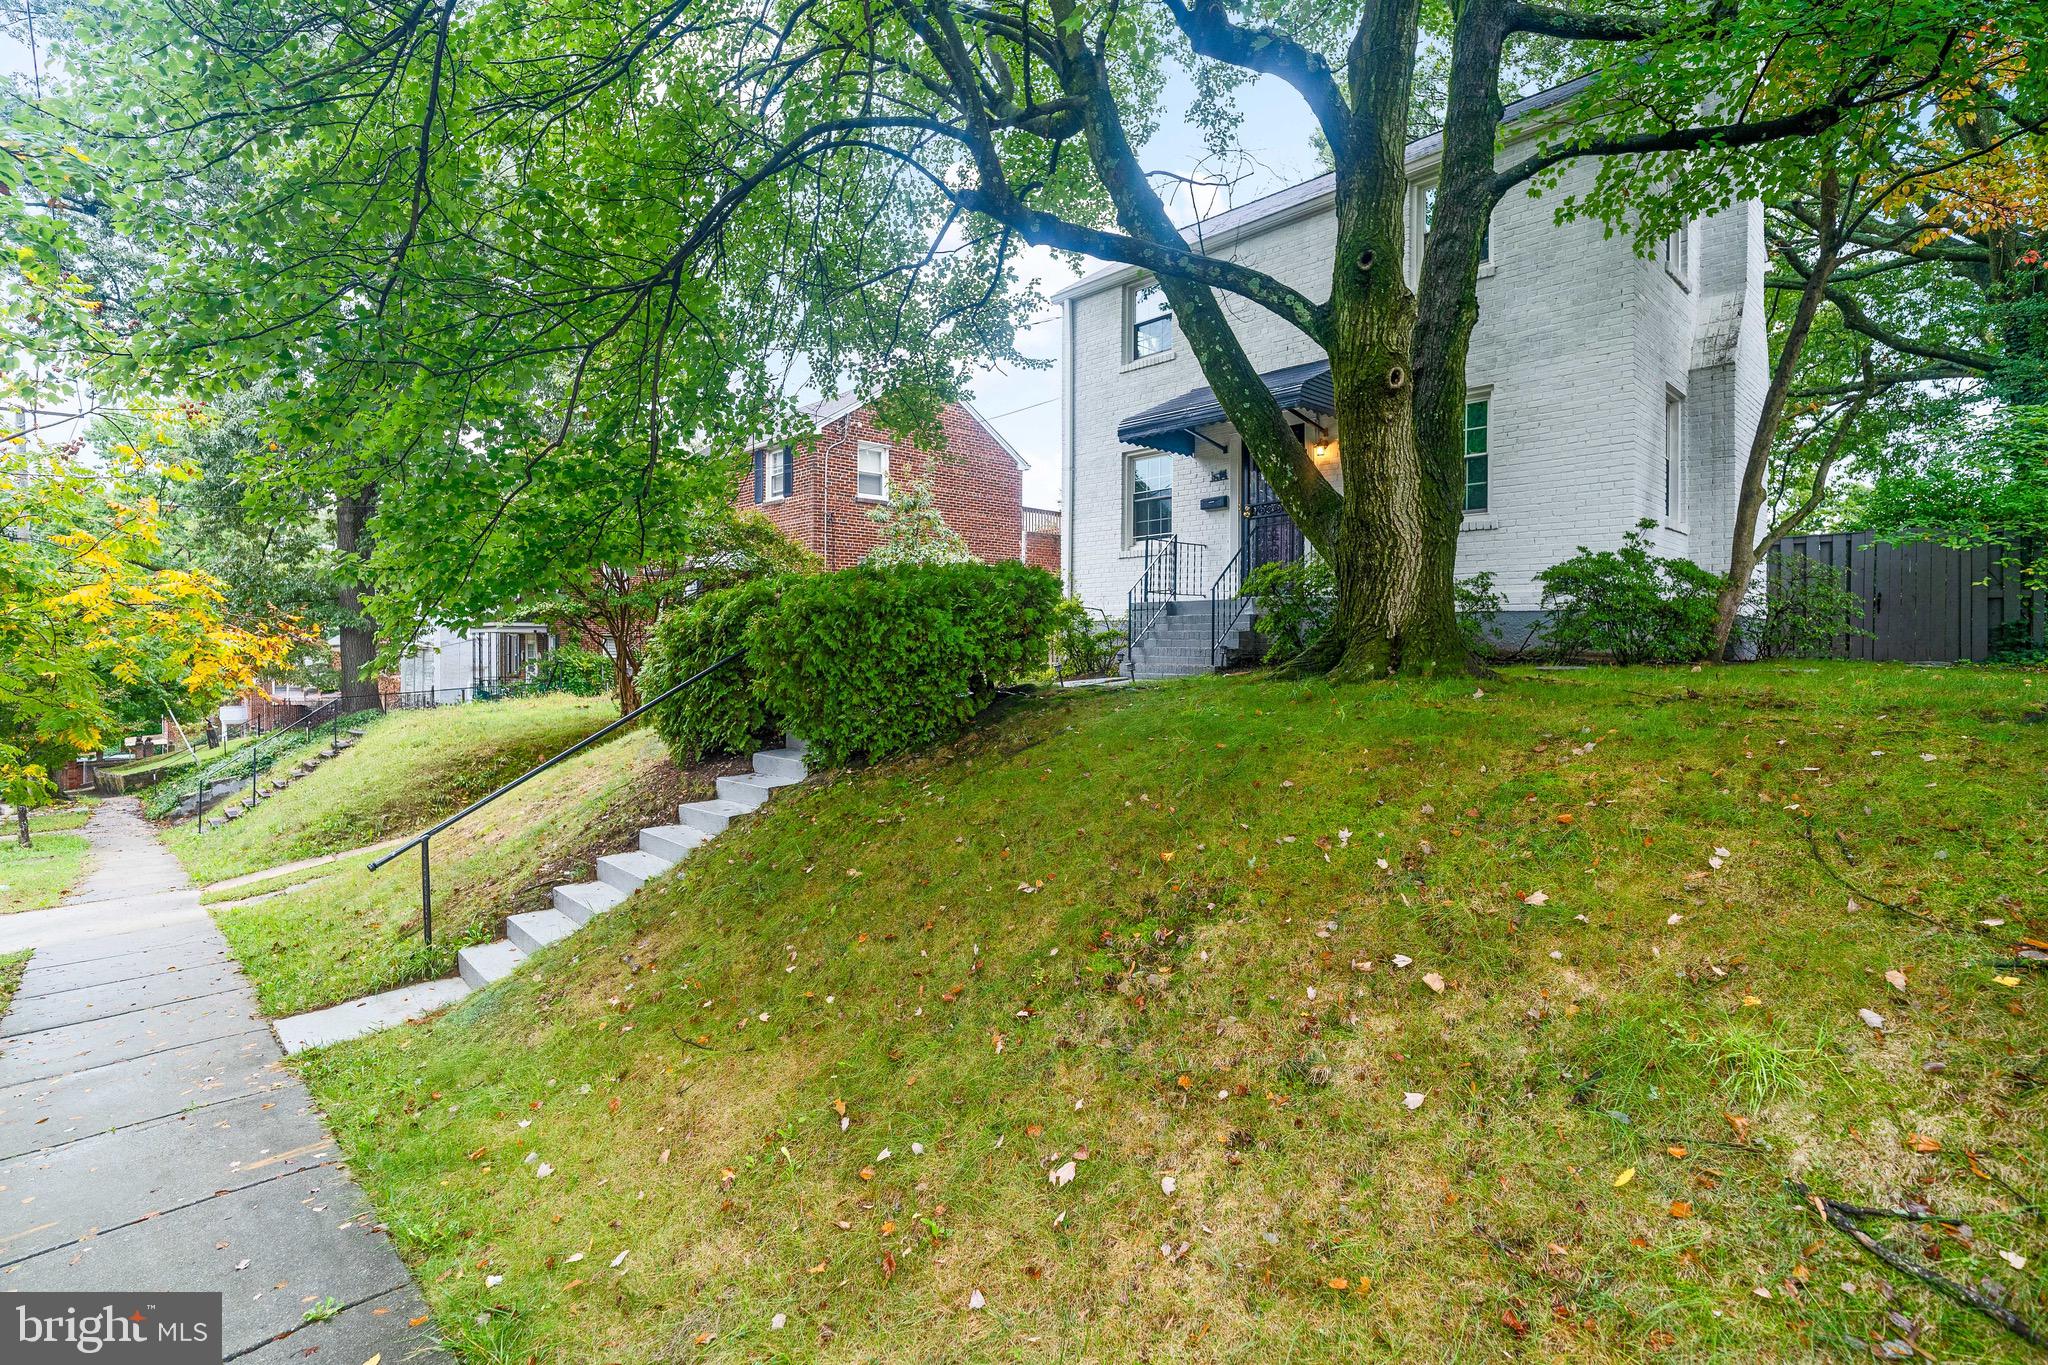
[
  {"x": 1479, "y": 606},
  {"x": 1630, "y": 605},
  {"x": 571, "y": 668},
  {"x": 1291, "y": 603},
  {"x": 1801, "y": 609},
  {"x": 1082, "y": 647},
  {"x": 725, "y": 712},
  {"x": 869, "y": 662}
]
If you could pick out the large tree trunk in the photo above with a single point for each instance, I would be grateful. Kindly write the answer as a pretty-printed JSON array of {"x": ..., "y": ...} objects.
[
  {"x": 1744, "y": 551},
  {"x": 1399, "y": 374},
  {"x": 352, "y": 513}
]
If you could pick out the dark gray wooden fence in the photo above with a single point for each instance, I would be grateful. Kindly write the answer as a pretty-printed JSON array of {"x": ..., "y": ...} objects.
[{"x": 1922, "y": 602}]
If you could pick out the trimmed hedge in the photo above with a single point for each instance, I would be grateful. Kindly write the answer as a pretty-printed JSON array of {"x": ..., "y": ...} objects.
[
  {"x": 723, "y": 713},
  {"x": 867, "y": 662}
]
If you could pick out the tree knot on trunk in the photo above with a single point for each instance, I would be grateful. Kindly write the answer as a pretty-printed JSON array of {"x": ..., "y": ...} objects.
[
  {"x": 1396, "y": 377},
  {"x": 1365, "y": 260}
]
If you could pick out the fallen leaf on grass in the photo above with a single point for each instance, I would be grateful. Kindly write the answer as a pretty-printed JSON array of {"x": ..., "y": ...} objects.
[
  {"x": 1064, "y": 1175},
  {"x": 1433, "y": 981},
  {"x": 1871, "y": 1018},
  {"x": 1413, "y": 1099},
  {"x": 1536, "y": 898},
  {"x": 1896, "y": 977},
  {"x": 1681, "y": 1209},
  {"x": 2013, "y": 1259},
  {"x": 1624, "y": 1177},
  {"x": 1920, "y": 1143}
]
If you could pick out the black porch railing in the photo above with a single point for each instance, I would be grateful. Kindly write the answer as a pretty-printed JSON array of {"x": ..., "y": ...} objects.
[
  {"x": 1173, "y": 573},
  {"x": 423, "y": 841},
  {"x": 1227, "y": 606}
]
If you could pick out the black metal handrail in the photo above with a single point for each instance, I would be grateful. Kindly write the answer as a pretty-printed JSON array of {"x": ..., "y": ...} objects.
[
  {"x": 1173, "y": 572},
  {"x": 423, "y": 840},
  {"x": 1226, "y": 594}
]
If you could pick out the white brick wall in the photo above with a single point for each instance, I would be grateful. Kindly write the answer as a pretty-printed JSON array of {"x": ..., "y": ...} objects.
[{"x": 1578, "y": 342}]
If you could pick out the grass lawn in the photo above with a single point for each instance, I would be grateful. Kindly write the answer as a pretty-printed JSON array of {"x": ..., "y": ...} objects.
[
  {"x": 410, "y": 769},
  {"x": 347, "y": 931},
  {"x": 1250, "y": 1020},
  {"x": 37, "y": 877}
]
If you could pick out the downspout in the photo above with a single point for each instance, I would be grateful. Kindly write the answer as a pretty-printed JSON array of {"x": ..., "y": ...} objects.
[{"x": 1067, "y": 419}]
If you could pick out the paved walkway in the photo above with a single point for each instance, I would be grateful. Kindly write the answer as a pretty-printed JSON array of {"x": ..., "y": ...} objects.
[{"x": 149, "y": 1140}]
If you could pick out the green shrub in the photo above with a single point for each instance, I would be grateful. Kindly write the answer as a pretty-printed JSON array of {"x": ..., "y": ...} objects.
[
  {"x": 1801, "y": 609},
  {"x": 1479, "y": 604},
  {"x": 723, "y": 713},
  {"x": 1292, "y": 603},
  {"x": 868, "y": 662},
  {"x": 569, "y": 667},
  {"x": 1082, "y": 648},
  {"x": 1630, "y": 605}
]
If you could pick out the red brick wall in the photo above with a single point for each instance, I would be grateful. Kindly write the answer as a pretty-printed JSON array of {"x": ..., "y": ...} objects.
[
  {"x": 1042, "y": 539},
  {"x": 976, "y": 484}
]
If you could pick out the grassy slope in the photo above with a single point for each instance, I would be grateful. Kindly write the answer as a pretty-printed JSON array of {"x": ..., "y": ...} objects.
[
  {"x": 1181, "y": 993},
  {"x": 350, "y": 931},
  {"x": 410, "y": 769}
]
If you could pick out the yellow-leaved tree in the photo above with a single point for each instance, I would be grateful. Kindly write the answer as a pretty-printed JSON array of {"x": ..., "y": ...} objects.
[{"x": 86, "y": 607}]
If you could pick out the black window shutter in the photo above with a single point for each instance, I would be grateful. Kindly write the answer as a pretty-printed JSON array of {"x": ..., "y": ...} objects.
[
  {"x": 759, "y": 475},
  {"x": 788, "y": 471}
]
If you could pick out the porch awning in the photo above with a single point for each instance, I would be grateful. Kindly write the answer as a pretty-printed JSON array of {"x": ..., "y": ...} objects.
[{"x": 1171, "y": 425}]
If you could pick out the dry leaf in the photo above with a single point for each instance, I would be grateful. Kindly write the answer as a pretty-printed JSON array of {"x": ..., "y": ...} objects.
[
  {"x": 1896, "y": 977},
  {"x": 1433, "y": 981},
  {"x": 1680, "y": 1209},
  {"x": 1624, "y": 1177},
  {"x": 1920, "y": 1143}
]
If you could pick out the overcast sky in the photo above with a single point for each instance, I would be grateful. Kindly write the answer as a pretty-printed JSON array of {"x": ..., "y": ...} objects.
[{"x": 1024, "y": 404}]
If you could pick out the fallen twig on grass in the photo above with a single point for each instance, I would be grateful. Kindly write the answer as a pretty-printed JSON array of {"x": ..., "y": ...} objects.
[
  {"x": 1842, "y": 1217},
  {"x": 1813, "y": 847}
]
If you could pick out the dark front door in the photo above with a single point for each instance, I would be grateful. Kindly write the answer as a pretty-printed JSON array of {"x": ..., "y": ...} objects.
[{"x": 1270, "y": 535}]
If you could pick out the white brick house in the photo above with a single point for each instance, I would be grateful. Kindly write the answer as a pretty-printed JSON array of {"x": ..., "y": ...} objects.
[{"x": 1603, "y": 388}]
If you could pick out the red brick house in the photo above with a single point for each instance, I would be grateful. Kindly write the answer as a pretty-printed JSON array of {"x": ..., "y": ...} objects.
[{"x": 819, "y": 491}]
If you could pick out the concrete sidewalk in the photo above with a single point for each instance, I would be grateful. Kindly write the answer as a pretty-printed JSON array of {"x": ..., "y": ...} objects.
[{"x": 149, "y": 1140}]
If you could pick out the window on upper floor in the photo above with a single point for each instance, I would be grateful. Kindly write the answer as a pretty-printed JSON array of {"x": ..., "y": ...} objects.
[
  {"x": 871, "y": 471},
  {"x": 1478, "y": 467},
  {"x": 1676, "y": 252},
  {"x": 1151, "y": 330},
  {"x": 778, "y": 475},
  {"x": 1151, "y": 496},
  {"x": 1429, "y": 220},
  {"x": 1674, "y": 459}
]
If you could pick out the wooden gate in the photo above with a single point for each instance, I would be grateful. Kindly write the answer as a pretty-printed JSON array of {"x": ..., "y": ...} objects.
[{"x": 1922, "y": 602}]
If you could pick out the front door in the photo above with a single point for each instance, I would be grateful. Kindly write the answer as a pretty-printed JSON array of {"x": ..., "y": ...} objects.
[{"x": 1270, "y": 535}]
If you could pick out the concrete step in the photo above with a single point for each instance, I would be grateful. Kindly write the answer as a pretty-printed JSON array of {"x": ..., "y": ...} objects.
[
  {"x": 580, "y": 900},
  {"x": 483, "y": 963},
  {"x": 787, "y": 763},
  {"x": 373, "y": 1012},
  {"x": 752, "y": 791},
  {"x": 672, "y": 842},
  {"x": 631, "y": 870},
  {"x": 711, "y": 816},
  {"x": 793, "y": 744},
  {"x": 536, "y": 929}
]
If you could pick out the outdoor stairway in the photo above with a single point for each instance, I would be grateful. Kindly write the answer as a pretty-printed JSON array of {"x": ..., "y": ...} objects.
[
  {"x": 619, "y": 875},
  {"x": 1178, "y": 643}
]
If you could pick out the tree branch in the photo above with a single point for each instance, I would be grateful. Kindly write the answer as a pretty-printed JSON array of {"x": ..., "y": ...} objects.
[{"x": 1211, "y": 33}]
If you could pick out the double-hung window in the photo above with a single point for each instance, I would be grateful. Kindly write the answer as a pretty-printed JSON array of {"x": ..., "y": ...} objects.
[
  {"x": 1151, "y": 496},
  {"x": 871, "y": 471},
  {"x": 1674, "y": 460},
  {"x": 1677, "y": 254},
  {"x": 1429, "y": 221},
  {"x": 1151, "y": 322},
  {"x": 1477, "y": 471}
]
